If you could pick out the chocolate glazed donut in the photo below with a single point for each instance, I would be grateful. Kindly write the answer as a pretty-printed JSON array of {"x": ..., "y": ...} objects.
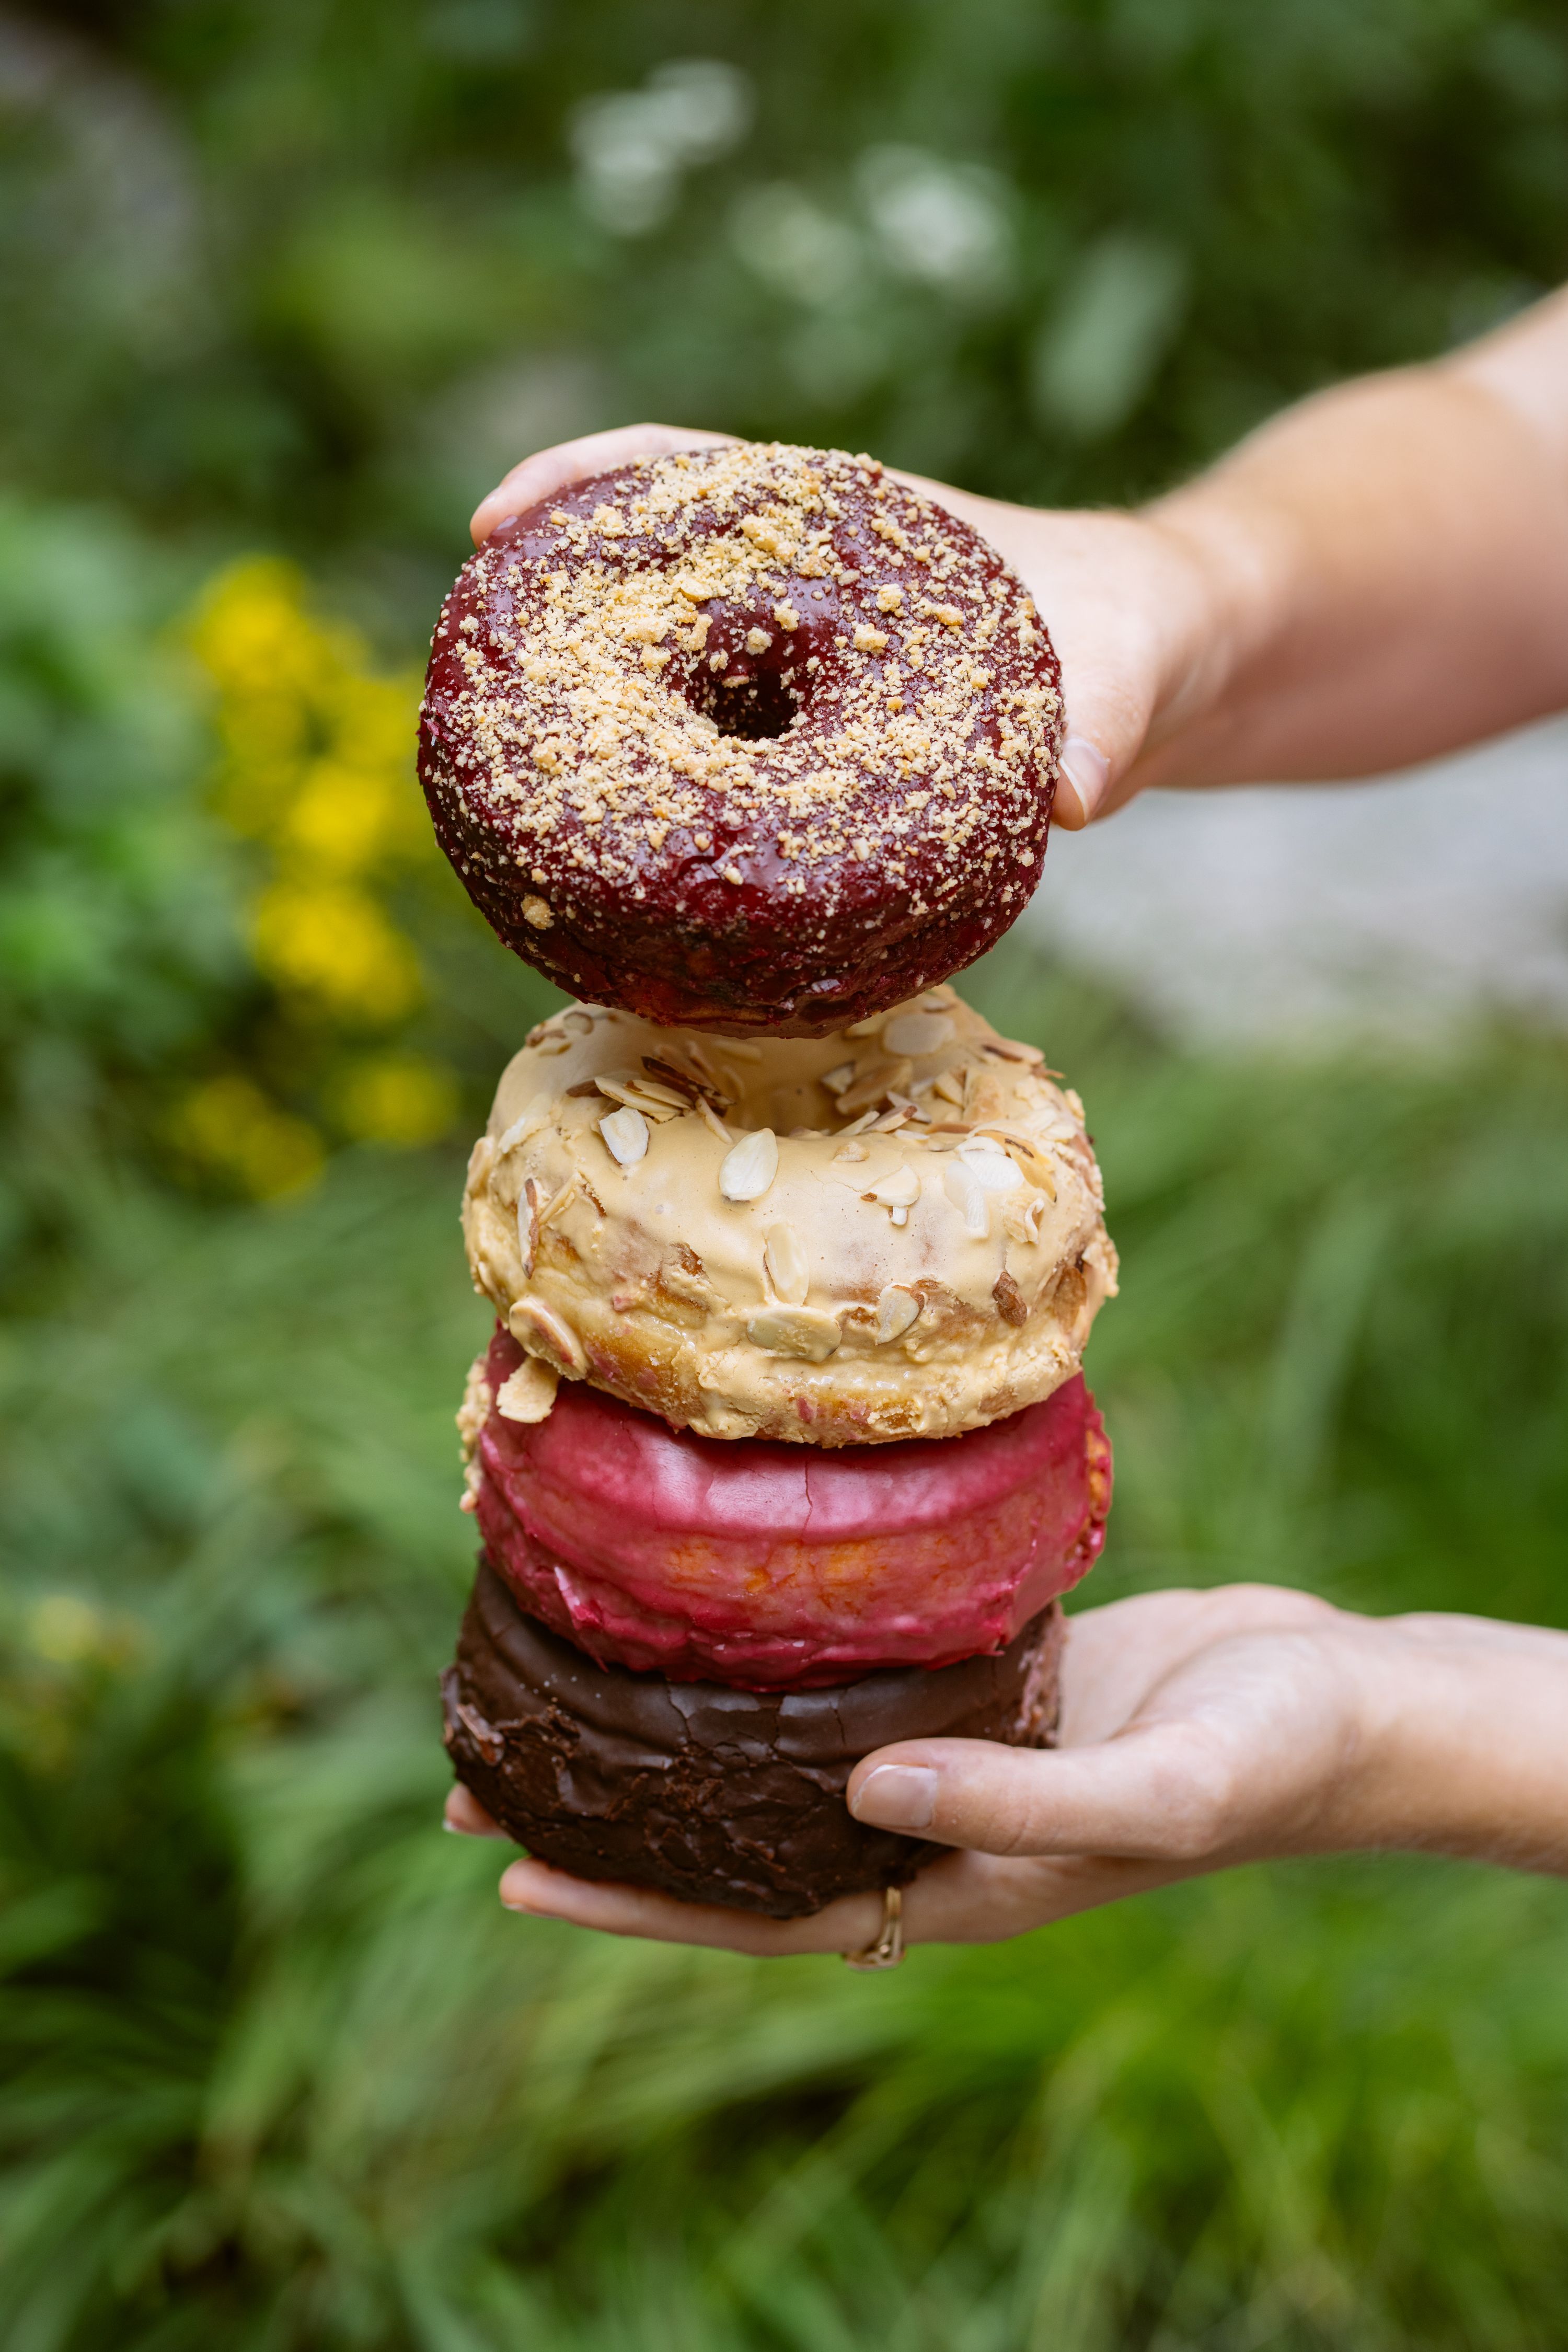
[
  {"x": 712, "y": 1794},
  {"x": 751, "y": 739}
]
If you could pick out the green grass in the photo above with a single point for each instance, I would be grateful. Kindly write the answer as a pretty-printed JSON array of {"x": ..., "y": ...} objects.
[{"x": 279, "y": 2073}]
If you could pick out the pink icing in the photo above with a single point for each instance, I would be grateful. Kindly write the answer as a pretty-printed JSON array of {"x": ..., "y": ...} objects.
[{"x": 760, "y": 1564}]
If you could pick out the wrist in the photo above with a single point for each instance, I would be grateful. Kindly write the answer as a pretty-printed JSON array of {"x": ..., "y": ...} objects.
[
  {"x": 1230, "y": 564},
  {"x": 1461, "y": 1740}
]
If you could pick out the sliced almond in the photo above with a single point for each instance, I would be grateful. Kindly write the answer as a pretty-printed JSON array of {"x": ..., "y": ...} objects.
[
  {"x": 1021, "y": 1217},
  {"x": 746, "y": 1173},
  {"x": 784, "y": 1255},
  {"x": 541, "y": 1331},
  {"x": 807, "y": 1331},
  {"x": 654, "y": 1090},
  {"x": 628, "y": 1092},
  {"x": 689, "y": 1083},
  {"x": 990, "y": 1164},
  {"x": 967, "y": 1194},
  {"x": 853, "y": 1150},
  {"x": 896, "y": 1308},
  {"x": 527, "y": 1226},
  {"x": 561, "y": 1200},
  {"x": 836, "y": 1080},
  {"x": 529, "y": 1392},
  {"x": 877, "y": 1083},
  {"x": 743, "y": 1049},
  {"x": 899, "y": 1190},
  {"x": 482, "y": 1159},
  {"x": 950, "y": 1086},
  {"x": 625, "y": 1136},
  {"x": 1010, "y": 1050},
  {"x": 917, "y": 1033},
  {"x": 527, "y": 1123},
  {"x": 711, "y": 1119},
  {"x": 866, "y": 1028},
  {"x": 859, "y": 1126}
]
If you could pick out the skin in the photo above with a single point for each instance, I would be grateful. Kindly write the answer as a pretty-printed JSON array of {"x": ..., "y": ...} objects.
[{"x": 1377, "y": 576}]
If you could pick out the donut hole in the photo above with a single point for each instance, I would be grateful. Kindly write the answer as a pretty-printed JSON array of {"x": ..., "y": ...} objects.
[{"x": 758, "y": 706}]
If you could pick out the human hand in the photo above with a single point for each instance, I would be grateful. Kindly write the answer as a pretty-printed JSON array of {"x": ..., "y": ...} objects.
[
  {"x": 1127, "y": 602},
  {"x": 1199, "y": 1730}
]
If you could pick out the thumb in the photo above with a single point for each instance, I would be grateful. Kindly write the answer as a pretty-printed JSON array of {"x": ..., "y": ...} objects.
[
  {"x": 1159, "y": 1792},
  {"x": 555, "y": 469}
]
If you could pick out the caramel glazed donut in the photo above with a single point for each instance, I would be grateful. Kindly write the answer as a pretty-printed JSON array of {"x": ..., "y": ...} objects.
[
  {"x": 893, "y": 1232},
  {"x": 748, "y": 739}
]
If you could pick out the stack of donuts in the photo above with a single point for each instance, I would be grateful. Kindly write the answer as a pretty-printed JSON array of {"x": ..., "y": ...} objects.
[{"x": 781, "y": 1449}]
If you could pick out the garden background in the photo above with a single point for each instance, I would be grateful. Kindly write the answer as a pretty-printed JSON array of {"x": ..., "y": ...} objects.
[{"x": 287, "y": 283}]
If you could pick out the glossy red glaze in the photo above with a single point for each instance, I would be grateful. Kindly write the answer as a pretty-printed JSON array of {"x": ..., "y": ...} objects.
[
  {"x": 768, "y": 1565},
  {"x": 710, "y": 932}
]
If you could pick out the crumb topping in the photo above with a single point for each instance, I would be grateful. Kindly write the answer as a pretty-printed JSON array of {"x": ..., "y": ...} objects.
[{"x": 770, "y": 668}]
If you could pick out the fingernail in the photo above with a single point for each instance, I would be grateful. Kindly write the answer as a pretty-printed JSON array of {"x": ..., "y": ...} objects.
[
  {"x": 897, "y": 1796},
  {"x": 1086, "y": 768}
]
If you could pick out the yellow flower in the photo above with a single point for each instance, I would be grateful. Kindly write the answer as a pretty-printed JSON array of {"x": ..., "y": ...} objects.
[
  {"x": 230, "y": 1129},
  {"x": 341, "y": 817},
  {"x": 331, "y": 943},
  {"x": 401, "y": 1099},
  {"x": 251, "y": 636}
]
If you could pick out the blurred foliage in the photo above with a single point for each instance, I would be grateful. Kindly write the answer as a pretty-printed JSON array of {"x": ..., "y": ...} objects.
[
  {"x": 281, "y": 2075},
  {"x": 214, "y": 863},
  {"x": 315, "y": 768},
  {"x": 321, "y": 269},
  {"x": 303, "y": 278}
]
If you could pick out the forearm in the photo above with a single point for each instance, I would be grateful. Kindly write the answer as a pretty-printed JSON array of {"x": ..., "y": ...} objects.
[
  {"x": 1383, "y": 572},
  {"x": 1464, "y": 1748}
]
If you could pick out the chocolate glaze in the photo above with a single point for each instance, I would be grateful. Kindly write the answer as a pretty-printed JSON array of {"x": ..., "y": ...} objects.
[
  {"x": 711, "y": 932},
  {"x": 712, "y": 1794}
]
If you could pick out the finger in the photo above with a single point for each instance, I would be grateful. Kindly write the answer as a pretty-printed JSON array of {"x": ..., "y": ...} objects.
[
  {"x": 554, "y": 470},
  {"x": 466, "y": 1815},
  {"x": 848, "y": 1925},
  {"x": 1083, "y": 778},
  {"x": 1160, "y": 1793},
  {"x": 964, "y": 1898}
]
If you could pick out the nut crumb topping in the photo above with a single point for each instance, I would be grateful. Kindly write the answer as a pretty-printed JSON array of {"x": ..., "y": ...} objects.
[{"x": 666, "y": 689}]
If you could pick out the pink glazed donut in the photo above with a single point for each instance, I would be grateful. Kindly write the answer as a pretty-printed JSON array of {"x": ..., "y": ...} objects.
[{"x": 767, "y": 1565}]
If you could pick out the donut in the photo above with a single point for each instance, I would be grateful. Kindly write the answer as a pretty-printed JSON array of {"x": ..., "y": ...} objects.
[
  {"x": 892, "y": 1232},
  {"x": 718, "y": 1795},
  {"x": 769, "y": 1566},
  {"x": 753, "y": 737}
]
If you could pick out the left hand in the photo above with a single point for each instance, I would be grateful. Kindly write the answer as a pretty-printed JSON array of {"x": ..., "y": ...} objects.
[{"x": 1198, "y": 1729}]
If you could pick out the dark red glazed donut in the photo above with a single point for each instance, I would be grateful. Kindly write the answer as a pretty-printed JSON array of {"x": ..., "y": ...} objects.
[{"x": 748, "y": 738}]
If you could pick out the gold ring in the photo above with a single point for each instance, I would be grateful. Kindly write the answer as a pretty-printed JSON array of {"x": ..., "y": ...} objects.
[{"x": 889, "y": 1948}]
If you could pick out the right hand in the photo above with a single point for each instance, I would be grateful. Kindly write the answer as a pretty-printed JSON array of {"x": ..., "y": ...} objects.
[{"x": 1126, "y": 599}]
